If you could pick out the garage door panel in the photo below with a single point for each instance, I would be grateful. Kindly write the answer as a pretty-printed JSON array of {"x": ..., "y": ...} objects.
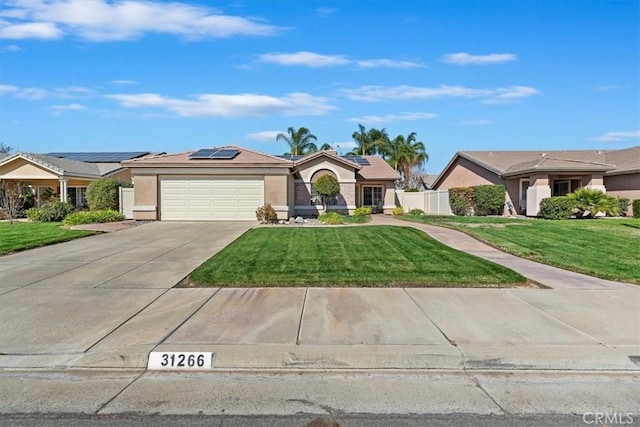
[{"x": 206, "y": 199}]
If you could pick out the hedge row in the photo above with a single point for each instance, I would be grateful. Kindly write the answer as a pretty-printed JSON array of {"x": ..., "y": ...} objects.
[{"x": 480, "y": 200}]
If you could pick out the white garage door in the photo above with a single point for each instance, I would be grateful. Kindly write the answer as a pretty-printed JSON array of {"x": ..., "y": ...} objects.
[{"x": 210, "y": 199}]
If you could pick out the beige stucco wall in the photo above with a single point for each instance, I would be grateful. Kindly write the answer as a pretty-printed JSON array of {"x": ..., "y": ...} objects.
[
  {"x": 145, "y": 197},
  {"x": 627, "y": 186},
  {"x": 123, "y": 175},
  {"x": 276, "y": 191},
  {"x": 464, "y": 173},
  {"x": 22, "y": 169}
]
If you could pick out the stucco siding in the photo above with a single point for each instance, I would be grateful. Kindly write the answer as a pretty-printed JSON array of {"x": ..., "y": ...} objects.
[
  {"x": 22, "y": 169},
  {"x": 342, "y": 172},
  {"x": 464, "y": 173},
  {"x": 627, "y": 186},
  {"x": 145, "y": 197}
]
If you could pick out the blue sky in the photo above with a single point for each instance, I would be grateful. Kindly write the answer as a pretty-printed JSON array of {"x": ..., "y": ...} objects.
[{"x": 106, "y": 75}]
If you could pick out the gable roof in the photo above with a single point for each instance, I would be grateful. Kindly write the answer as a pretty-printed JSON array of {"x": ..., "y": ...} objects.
[
  {"x": 64, "y": 167},
  {"x": 511, "y": 163},
  {"x": 245, "y": 158},
  {"x": 330, "y": 154},
  {"x": 101, "y": 157},
  {"x": 377, "y": 169}
]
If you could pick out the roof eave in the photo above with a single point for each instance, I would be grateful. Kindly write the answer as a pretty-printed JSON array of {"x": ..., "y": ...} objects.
[{"x": 556, "y": 169}]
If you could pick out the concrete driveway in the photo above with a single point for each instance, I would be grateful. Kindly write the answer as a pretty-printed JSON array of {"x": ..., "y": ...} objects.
[{"x": 106, "y": 301}]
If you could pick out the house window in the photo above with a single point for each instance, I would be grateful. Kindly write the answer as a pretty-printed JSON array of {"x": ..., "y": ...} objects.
[
  {"x": 562, "y": 187},
  {"x": 77, "y": 196},
  {"x": 371, "y": 195},
  {"x": 524, "y": 186}
]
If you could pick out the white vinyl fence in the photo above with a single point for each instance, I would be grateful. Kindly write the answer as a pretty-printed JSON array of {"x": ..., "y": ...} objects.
[
  {"x": 126, "y": 202},
  {"x": 432, "y": 202}
]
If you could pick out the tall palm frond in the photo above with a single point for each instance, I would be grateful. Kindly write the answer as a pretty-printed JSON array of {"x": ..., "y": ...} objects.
[{"x": 300, "y": 141}]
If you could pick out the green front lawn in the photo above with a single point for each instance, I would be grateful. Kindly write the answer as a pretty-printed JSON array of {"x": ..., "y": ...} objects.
[
  {"x": 606, "y": 248},
  {"x": 375, "y": 256},
  {"x": 26, "y": 235}
]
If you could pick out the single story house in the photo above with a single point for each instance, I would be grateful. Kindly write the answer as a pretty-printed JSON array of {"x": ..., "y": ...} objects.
[
  {"x": 426, "y": 182},
  {"x": 64, "y": 176},
  {"x": 530, "y": 176},
  {"x": 231, "y": 182}
]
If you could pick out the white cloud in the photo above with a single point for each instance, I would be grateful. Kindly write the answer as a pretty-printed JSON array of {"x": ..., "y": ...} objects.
[
  {"x": 617, "y": 136},
  {"x": 304, "y": 58},
  {"x": 5, "y": 89},
  {"x": 73, "y": 92},
  {"x": 59, "y": 109},
  {"x": 124, "y": 82},
  {"x": 216, "y": 105},
  {"x": 107, "y": 20},
  {"x": 402, "y": 117},
  {"x": 477, "y": 122},
  {"x": 266, "y": 135},
  {"x": 32, "y": 93},
  {"x": 11, "y": 48},
  {"x": 502, "y": 95},
  {"x": 464, "y": 58},
  {"x": 323, "y": 12},
  {"x": 30, "y": 30},
  {"x": 387, "y": 63}
]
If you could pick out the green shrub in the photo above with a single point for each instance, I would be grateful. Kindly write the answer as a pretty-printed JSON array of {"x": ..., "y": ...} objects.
[
  {"x": 50, "y": 212},
  {"x": 636, "y": 208},
  {"x": 92, "y": 217},
  {"x": 461, "y": 200},
  {"x": 330, "y": 218},
  {"x": 104, "y": 194},
  {"x": 589, "y": 202},
  {"x": 266, "y": 213},
  {"x": 623, "y": 204},
  {"x": 362, "y": 211},
  {"x": 411, "y": 190},
  {"x": 489, "y": 199},
  {"x": 327, "y": 186},
  {"x": 416, "y": 212},
  {"x": 397, "y": 211},
  {"x": 561, "y": 207}
]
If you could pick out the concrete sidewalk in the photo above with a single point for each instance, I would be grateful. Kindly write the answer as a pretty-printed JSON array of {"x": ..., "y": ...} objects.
[{"x": 79, "y": 320}]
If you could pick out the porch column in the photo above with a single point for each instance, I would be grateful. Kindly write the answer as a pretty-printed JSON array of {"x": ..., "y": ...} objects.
[
  {"x": 538, "y": 189},
  {"x": 63, "y": 189}
]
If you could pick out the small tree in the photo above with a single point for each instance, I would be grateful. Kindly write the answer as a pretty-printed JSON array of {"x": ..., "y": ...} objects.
[
  {"x": 327, "y": 187},
  {"x": 11, "y": 200}
]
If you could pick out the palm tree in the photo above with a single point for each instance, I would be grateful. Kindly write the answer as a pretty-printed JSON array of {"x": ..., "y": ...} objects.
[
  {"x": 404, "y": 154},
  {"x": 300, "y": 141},
  {"x": 326, "y": 146},
  {"x": 372, "y": 141}
]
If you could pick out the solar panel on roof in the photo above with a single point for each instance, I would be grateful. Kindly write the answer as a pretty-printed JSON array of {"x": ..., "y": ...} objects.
[
  {"x": 224, "y": 154},
  {"x": 215, "y": 154},
  {"x": 290, "y": 157},
  {"x": 358, "y": 159},
  {"x": 100, "y": 157}
]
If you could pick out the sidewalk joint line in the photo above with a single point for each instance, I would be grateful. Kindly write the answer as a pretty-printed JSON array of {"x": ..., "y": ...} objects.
[
  {"x": 452, "y": 342},
  {"x": 477, "y": 383},
  {"x": 304, "y": 306},
  {"x": 185, "y": 320},
  {"x": 118, "y": 393}
]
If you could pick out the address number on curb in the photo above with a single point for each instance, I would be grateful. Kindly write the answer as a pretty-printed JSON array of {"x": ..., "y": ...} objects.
[{"x": 179, "y": 360}]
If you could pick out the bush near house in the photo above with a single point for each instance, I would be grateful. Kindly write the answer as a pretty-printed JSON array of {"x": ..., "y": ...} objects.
[
  {"x": 327, "y": 186},
  {"x": 411, "y": 190},
  {"x": 461, "y": 200},
  {"x": 416, "y": 212},
  {"x": 623, "y": 203},
  {"x": 92, "y": 217},
  {"x": 489, "y": 199},
  {"x": 330, "y": 218},
  {"x": 397, "y": 211},
  {"x": 560, "y": 207},
  {"x": 266, "y": 213},
  {"x": 636, "y": 208},
  {"x": 362, "y": 211},
  {"x": 104, "y": 194},
  {"x": 589, "y": 202},
  {"x": 50, "y": 212}
]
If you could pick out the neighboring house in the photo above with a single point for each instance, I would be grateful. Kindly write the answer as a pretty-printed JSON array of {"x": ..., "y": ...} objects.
[
  {"x": 530, "y": 176},
  {"x": 230, "y": 183},
  {"x": 64, "y": 176},
  {"x": 426, "y": 182}
]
